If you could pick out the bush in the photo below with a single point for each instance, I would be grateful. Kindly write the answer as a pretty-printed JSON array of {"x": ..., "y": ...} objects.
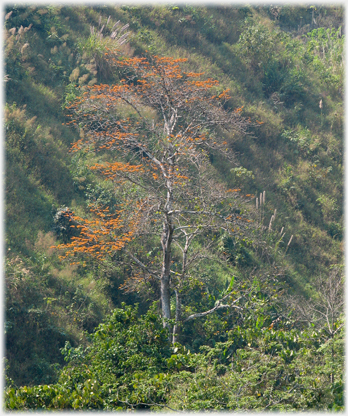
[{"x": 122, "y": 368}]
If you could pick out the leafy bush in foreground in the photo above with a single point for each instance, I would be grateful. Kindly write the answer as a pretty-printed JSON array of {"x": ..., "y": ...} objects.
[{"x": 130, "y": 364}]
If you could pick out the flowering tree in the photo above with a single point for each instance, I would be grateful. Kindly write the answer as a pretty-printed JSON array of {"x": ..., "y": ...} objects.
[{"x": 157, "y": 128}]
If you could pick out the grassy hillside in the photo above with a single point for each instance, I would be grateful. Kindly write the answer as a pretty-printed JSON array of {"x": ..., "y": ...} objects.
[{"x": 283, "y": 65}]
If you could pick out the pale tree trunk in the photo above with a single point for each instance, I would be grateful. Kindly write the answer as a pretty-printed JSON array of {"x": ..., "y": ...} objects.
[
  {"x": 167, "y": 236},
  {"x": 166, "y": 241},
  {"x": 176, "y": 328}
]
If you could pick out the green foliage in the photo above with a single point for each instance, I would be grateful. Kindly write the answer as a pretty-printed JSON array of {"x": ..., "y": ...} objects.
[
  {"x": 71, "y": 92},
  {"x": 268, "y": 364},
  {"x": 121, "y": 368},
  {"x": 47, "y": 303},
  {"x": 34, "y": 181},
  {"x": 301, "y": 140},
  {"x": 256, "y": 43},
  {"x": 242, "y": 176},
  {"x": 92, "y": 51},
  {"x": 278, "y": 370},
  {"x": 271, "y": 55},
  {"x": 325, "y": 53}
]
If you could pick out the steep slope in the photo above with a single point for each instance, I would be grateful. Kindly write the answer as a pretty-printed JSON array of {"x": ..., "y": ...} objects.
[{"x": 283, "y": 65}]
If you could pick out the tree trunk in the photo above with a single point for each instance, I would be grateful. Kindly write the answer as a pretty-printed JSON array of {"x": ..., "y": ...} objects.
[
  {"x": 332, "y": 375},
  {"x": 177, "y": 317},
  {"x": 166, "y": 241},
  {"x": 165, "y": 275}
]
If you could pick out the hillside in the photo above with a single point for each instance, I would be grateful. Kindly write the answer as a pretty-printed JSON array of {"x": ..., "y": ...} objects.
[{"x": 283, "y": 67}]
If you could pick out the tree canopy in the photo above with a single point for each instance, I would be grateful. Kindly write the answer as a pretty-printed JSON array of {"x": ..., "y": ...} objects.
[{"x": 161, "y": 151}]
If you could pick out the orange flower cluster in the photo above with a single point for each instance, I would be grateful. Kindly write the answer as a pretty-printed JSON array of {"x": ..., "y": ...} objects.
[
  {"x": 194, "y": 74},
  {"x": 100, "y": 236},
  {"x": 163, "y": 67},
  {"x": 224, "y": 95},
  {"x": 112, "y": 170},
  {"x": 181, "y": 179},
  {"x": 77, "y": 146},
  {"x": 206, "y": 84}
]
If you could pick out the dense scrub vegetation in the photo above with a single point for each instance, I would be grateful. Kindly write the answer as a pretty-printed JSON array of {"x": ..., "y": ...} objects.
[{"x": 90, "y": 335}]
